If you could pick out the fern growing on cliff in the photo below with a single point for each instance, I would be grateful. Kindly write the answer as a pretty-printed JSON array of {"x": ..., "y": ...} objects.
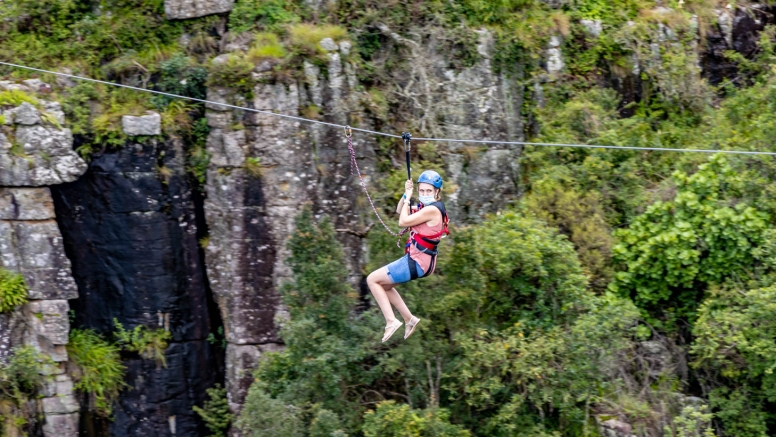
[
  {"x": 149, "y": 343},
  {"x": 13, "y": 290},
  {"x": 100, "y": 371},
  {"x": 215, "y": 413},
  {"x": 21, "y": 376}
]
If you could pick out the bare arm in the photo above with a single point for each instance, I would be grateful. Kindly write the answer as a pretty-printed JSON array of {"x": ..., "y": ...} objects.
[
  {"x": 398, "y": 207},
  {"x": 408, "y": 190}
]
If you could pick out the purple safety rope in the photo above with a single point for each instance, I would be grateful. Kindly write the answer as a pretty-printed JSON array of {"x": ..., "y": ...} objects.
[{"x": 354, "y": 165}]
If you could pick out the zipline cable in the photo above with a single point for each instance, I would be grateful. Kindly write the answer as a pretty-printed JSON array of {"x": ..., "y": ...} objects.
[
  {"x": 366, "y": 131},
  {"x": 177, "y": 96}
]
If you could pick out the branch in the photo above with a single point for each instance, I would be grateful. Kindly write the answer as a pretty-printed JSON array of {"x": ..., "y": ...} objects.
[{"x": 361, "y": 234}]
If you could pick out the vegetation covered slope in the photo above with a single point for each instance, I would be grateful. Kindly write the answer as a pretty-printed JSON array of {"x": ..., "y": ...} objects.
[{"x": 624, "y": 285}]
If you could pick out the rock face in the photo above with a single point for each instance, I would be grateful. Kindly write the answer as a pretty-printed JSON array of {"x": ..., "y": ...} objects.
[
  {"x": 150, "y": 124},
  {"x": 182, "y": 9},
  {"x": 38, "y": 153},
  {"x": 737, "y": 29},
  {"x": 615, "y": 428},
  {"x": 130, "y": 231},
  {"x": 31, "y": 244},
  {"x": 261, "y": 176}
]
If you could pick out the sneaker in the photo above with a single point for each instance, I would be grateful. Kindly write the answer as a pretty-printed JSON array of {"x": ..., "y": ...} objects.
[
  {"x": 409, "y": 328},
  {"x": 390, "y": 329}
]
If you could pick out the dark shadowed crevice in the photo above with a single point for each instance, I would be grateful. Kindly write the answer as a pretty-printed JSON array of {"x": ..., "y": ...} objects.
[{"x": 131, "y": 232}]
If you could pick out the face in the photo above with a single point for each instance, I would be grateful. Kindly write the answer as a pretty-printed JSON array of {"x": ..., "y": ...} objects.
[{"x": 425, "y": 189}]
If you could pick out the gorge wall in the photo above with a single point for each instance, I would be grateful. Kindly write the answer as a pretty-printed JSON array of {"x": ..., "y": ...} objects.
[
  {"x": 35, "y": 152},
  {"x": 145, "y": 247},
  {"x": 131, "y": 234},
  {"x": 250, "y": 208}
]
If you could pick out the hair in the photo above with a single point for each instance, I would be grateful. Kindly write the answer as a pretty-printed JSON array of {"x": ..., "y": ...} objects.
[{"x": 438, "y": 194}]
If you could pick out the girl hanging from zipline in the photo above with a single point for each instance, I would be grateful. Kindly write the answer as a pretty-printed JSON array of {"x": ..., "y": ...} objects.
[{"x": 427, "y": 224}]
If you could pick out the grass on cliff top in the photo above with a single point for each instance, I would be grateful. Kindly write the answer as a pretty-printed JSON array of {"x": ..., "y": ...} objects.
[
  {"x": 306, "y": 38},
  {"x": 266, "y": 46}
]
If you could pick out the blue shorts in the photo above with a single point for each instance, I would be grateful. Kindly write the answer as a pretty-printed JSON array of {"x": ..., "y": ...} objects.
[{"x": 399, "y": 270}]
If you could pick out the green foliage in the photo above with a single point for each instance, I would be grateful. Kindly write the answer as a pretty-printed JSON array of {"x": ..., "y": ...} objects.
[
  {"x": 326, "y": 341},
  {"x": 326, "y": 424},
  {"x": 506, "y": 374},
  {"x": 262, "y": 416},
  {"x": 22, "y": 374},
  {"x": 536, "y": 278},
  {"x": 759, "y": 66},
  {"x": 76, "y": 107},
  {"x": 266, "y": 46},
  {"x": 198, "y": 158},
  {"x": 149, "y": 343},
  {"x": 235, "y": 73},
  {"x": 182, "y": 76},
  {"x": 513, "y": 330},
  {"x": 735, "y": 338},
  {"x": 16, "y": 98},
  {"x": 41, "y": 33},
  {"x": 100, "y": 372},
  {"x": 215, "y": 413},
  {"x": 253, "y": 166},
  {"x": 399, "y": 420},
  {"x": 305, "y": 38},
  {"x": 13, "y": 290},
  {"x": 676, "y": 247},
  {"x": 263, "y": 14},
  {"x": 693, "y": 422},
  {"x": 581, "y": 218}
]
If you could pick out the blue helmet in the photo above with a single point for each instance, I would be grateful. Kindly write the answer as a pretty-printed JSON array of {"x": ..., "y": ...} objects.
[{"x": 431, "y": 177}]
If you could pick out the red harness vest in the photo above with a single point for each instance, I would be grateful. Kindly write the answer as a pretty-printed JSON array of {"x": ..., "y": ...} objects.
[{"x": 427, "y": 243}]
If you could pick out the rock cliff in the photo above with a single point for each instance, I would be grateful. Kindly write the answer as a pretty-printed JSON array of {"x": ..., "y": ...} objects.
[
  {"x": 130, "y": 230},
  {"x": 263, "y": 172},
  {"x": 36, "y": 151}
]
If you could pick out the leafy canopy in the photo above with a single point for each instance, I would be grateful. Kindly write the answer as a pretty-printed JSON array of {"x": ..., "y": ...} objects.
[{"x": 676, "y": 248}]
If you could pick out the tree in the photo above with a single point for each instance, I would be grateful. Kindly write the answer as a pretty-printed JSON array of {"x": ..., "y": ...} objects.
[
  {"x": 670, "y": 254},
  {"x": 735, "y": 345}
]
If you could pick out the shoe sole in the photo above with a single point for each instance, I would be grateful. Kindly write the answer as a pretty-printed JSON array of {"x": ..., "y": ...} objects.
[
  {"x": 412, "y": 330},
  {"x": 387, "y": 336}
]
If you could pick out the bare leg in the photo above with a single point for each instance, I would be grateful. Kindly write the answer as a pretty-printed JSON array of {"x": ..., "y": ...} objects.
[
  {"x": 375, "y": 282},
  {"x": 398, "y": 302}
]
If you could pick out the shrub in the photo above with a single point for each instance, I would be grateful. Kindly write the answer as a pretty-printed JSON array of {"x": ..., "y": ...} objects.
[
  {"x": 265, "y": 416},
  {"x": 326, "y": 424},
  {"x": 692, "y": 422},
  {"x": 149, "y": 343},
  {"x": 580, "y": 217},
  {"x": 399, "y": 420},
  {"x": 734, "y": 341},
  {"x": 13, "y": 290},
  {"x": 234, "y": 73},
  {"x": 21, "y": 377},
  {"x": 215, "y": 412},
  {"x": 100, "y": 372},
  {"x": 264, "y": 14},
  {"x": 22, "y": 374},
  {"x": 676, "y": 248}
]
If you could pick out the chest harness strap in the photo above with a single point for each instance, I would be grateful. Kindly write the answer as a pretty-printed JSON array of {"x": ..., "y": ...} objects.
[{"x": 426, "y": 243}]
